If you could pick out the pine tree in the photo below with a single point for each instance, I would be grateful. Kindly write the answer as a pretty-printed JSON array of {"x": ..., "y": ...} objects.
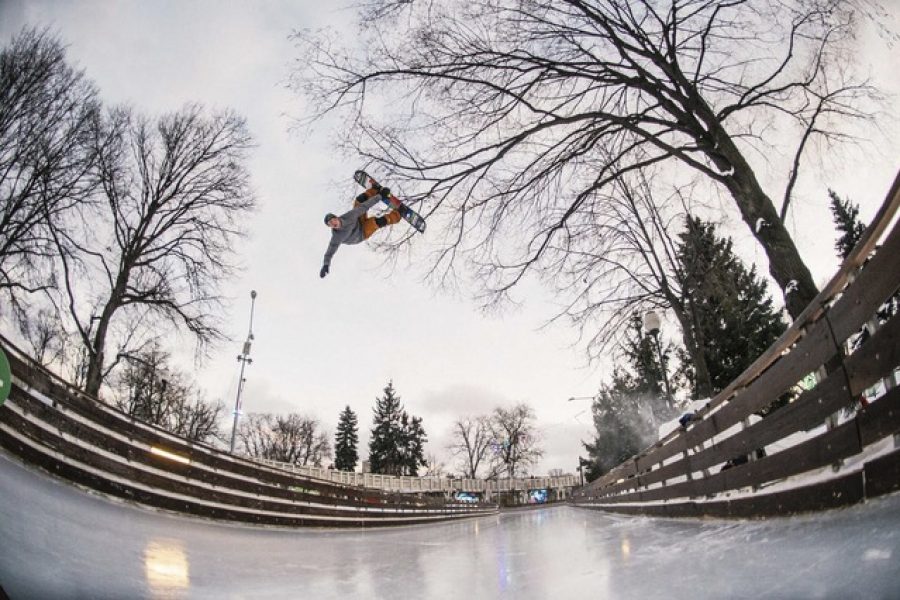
[
  {"x": 731, "y": 309},
  {"x": 627, "y": 412},
  {"x": 846, "y": 219},
  {"x": 346, "y": 440},
  {"x": 397, "y": 444},
  {"x": 386, "y": 438},
  {"x": 624, "y": 423},
  {"x": 413, "y": 450}
]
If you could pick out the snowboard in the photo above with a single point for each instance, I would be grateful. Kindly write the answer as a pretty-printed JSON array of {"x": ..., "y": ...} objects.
[{"x": 408, "y": 214}]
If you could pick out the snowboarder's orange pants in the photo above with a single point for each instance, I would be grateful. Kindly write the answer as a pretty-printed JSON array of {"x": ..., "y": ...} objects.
[{"x": 372, "y": 224}]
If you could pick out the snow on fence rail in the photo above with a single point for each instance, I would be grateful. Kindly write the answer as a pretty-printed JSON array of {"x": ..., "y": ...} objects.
[
  {"x": 843, "y": 431},
  {"x": 405, "y": 484},
  {"x": 48, "y": 423}
]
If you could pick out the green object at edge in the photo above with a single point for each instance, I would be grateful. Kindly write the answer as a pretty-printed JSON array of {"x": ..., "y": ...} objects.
[{"x": 5, "y": 378}]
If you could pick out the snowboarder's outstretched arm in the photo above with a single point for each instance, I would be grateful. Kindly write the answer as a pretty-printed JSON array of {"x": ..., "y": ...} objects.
[{"x": 333, "y": 246}]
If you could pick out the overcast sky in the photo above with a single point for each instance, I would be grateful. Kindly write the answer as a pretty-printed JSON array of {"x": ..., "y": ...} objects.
[{"x": 324, "y": 344}]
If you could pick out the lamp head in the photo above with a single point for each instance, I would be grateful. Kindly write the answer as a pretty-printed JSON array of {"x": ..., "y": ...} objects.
[{"x": 652, "y": 322}]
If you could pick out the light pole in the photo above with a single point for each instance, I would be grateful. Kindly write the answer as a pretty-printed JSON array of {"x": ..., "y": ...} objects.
[
  {"x": 244, "y": 359},
  {"x": 582, "y": 462},
  {"x": 652, "y": 324}
]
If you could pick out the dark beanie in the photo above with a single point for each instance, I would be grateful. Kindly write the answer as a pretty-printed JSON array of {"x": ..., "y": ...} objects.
[{"x": 329, "y": 217}]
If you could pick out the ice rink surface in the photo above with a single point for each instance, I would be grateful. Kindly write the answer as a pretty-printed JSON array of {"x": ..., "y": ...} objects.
[{"x": 57, "y": 541}]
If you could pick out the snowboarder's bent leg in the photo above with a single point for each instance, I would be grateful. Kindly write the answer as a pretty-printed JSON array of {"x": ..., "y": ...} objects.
[
  {"x": 371, "y": 225},
  {"x": 363, "y": 197}
]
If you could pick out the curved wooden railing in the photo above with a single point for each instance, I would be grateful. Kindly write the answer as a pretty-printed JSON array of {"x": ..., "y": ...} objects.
[
  {"x": 48, "y": 423},
  {"x": 819, "y": 451}
]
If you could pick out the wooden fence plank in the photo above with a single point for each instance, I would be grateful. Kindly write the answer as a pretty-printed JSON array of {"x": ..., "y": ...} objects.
[{"x": 883, "y": 475}]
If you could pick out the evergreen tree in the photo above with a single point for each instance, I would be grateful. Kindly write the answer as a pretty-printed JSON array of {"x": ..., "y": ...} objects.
[
  {"x": 385, "y": 441},
  {"x": 346, "y": 440},
  {"x": 624, "y": 423},
  {"x": 627, "y": 412},
  {"x": 846, "y": 219},
  {"x": 412, "y": 449},
  {"x": 730, "y": 306},
  {"x": 397, "y": 444}
]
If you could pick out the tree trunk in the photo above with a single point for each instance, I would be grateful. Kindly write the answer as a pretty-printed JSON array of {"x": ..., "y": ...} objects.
[
  {"x": 785, "y": 264},
  {"x": 694, "y": 343},
  {"x": 95, "y": 366},
  {"x": 94, "y": 377}
]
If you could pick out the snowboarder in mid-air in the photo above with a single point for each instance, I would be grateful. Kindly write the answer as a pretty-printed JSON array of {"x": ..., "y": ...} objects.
[{"x": 356, "y": 225}]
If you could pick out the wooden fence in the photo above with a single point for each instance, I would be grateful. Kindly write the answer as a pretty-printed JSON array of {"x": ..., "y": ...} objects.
[
  {"x": 50, "y": 424},
  {"x": 827, "y": 448}
]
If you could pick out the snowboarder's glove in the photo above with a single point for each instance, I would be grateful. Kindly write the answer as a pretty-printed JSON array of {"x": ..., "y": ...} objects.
[
  {"x": 324, "y": 271},
  {"x": 385, "y": 192}
]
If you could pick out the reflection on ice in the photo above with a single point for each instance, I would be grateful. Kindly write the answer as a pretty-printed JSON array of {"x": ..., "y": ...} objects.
[
  {"x": 626, "y": 549},
  {"x": 166, "y": 566}
]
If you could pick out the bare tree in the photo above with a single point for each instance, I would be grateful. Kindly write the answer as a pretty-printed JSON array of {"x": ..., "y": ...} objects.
[
  {"x": 196, "y": 419},
  {"x": 174, "y": 196},
  {"x": 434, "y": 467},
  {"x": 623, "y": 260},
  {"x": 514, "y": 439},
  {"x": 288, "y": 438},
  {"x": 471, "y": 443},
  {"x": 149, "y": 389},
  {"x": 47, "y": 114},
  {"x": 45, "y": 334},
  {"x": 511, "y": 115}
]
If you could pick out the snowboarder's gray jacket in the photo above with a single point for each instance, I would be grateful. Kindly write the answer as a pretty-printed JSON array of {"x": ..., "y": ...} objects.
[{"x": 350, "y": 231}]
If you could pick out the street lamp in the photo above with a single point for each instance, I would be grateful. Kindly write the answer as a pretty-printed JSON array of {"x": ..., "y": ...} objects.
[
  {"x": 244, "y": 359},
  {"x": 652, "y": 323}
]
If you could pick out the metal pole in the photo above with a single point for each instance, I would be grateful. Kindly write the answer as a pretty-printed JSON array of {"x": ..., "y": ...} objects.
[
  {"x": 662, "y": 365},
  {"x": 244, "y": 359},
  {"x": 653, "y": 325}
]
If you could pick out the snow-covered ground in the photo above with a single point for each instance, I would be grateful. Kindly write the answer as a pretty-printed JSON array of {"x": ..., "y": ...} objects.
[{"x": 60, "y": 542}]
